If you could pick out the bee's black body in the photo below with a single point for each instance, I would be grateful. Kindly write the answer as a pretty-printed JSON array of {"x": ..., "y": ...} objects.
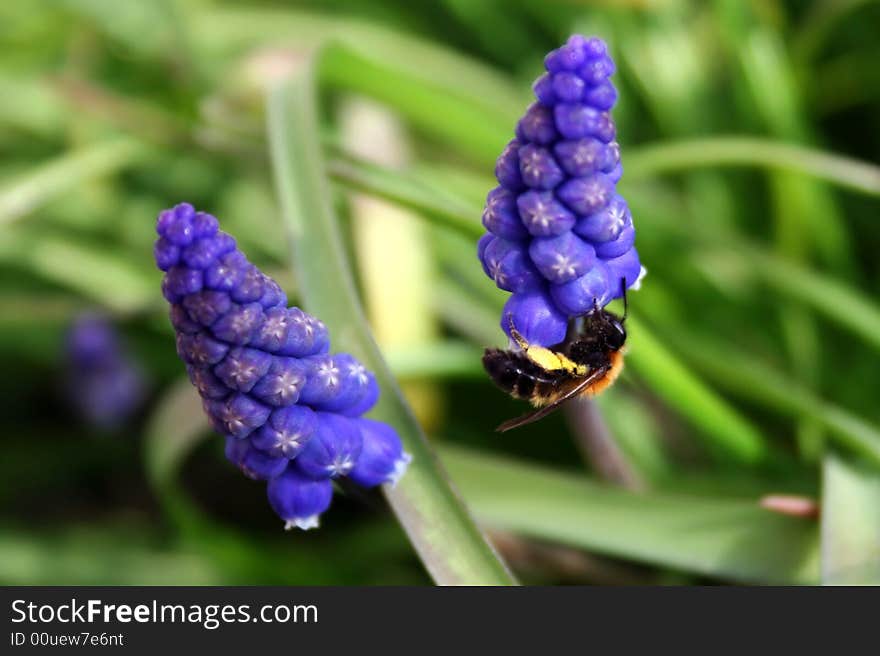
[{"x": 514, "y": 373}]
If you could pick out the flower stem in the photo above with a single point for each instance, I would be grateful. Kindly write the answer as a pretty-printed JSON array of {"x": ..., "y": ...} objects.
[{"x": 598, "y": 448}]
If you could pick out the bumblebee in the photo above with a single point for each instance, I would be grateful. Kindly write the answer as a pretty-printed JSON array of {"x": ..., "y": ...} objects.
[{"x": 583, "y": 365}]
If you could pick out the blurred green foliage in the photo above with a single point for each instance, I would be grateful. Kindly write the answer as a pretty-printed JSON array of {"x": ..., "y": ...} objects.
[{"x": 750, "y": 133}]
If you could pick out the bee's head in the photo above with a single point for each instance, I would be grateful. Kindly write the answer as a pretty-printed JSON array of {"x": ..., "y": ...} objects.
[
  {"x": 608, "y": 326},
  {"x": 615, "y": 333},
  {"x": 608, "y": 329}
]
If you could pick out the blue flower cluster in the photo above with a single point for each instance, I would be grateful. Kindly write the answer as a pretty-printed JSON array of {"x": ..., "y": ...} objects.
[
  {"x": 291, "y": 412},
  {"x": 104, "y": 384},
  {"x": 560, "y": 238}
]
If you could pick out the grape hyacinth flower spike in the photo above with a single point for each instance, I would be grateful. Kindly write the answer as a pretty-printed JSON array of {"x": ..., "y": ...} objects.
[
  {"x": 559, "y": 237},
  {"x": 291, "y": 412},
  {"x": 103, "y": 382}
]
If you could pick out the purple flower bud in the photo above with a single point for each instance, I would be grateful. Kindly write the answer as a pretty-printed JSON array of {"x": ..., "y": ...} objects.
[
  {"x": 507, "y": 167},
  {"x": 536, "y": 317},
  {"x": 354, "y": 384},
  {"x": 575, "y": 121},
  {"x": 282, "y": 384},
  {"x": 271, "y": 334},
  {"x": 287, "y": 432},
  {"x": 536, "y": 126},
  {"x": 306, "y": 335},
  {"x": 596, "y": 69},
  {"x": 593, "y": 46},
  {"x": 509, "y": 266},
  {"x": 298, "y": 499},
  {"x": 538, "y": 168},
  {"x": 176, "y": 224},
  {"x": 91, "y": 342},
  {"x": 203, "y": 252},
  {"x": 625, "y": 267},
  {"x": 238, "y": 415},
  {"x": 208, "y": 385},
  {"x": 586, "y": 156},
  {"x": 561, "y": 258},
  {"x": 568, "y": 87},
  {"x": 205, "y": 225},
  {"x": 579, "y": 296},
  {"x": 235, "y": 450},
  {"x": 482, "y": 245},
  {"x": 569, "y": 57},
  {"x": 169, "y": 296},
  {"x": 382, "y": 458},
  {"x": 586, "y": 195},
  {"x": 367, "y": 400},
  {"x": 602, "y": 96},
  {"x": 253, "y": 462},
  {"x": 103, "y": 383},
  {"x": 227, "y": 272},
  {"x": 183, "y": 280},
  {"x": 251, "y": 286},
  {"x": 273, "y": 296},
  {"x": 181, "y": 322},
  {"x": 333, "y": 449},
  {"x": 501, "y": 216},
  {"x": 606, "y": 224},
  {"x": 325, "y": 380},
  {"x": 206, "y": 306},
  {"x": 242, "y": 368},
  {"x": 106, "y": 399},
  {"x": 239, "y": 324},
  {"x": 166, "y": 218},
  {"x": 166, "y": 253},
  {"x": 200, "y": 349},
  {"x": 616, "y": 173},
  {"x": 616, "y": 248},
  {"x": 543, "y": 215},
  {"x": 543, "y": 88}
]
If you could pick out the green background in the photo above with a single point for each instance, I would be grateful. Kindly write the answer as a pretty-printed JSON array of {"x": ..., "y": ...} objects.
[{"x": 749, "y": 134}]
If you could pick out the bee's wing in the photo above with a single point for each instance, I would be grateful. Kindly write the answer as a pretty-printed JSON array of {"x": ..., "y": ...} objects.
[{"x": 535, "y": 415}]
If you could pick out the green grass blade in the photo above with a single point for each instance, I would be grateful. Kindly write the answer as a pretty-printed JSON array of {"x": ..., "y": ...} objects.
[
  {"x": 727, "y": 433},
  {"x": 409, "y": 191},
  {"x": 221, "y": 31},
  {"x": 176, "y": 427},
  {"x": 747, "y": 151},
  {"x": 850, "y": 523},
  {"x": 752, "y": 379},
  {"x": 114, "y": 554},
  {"x": 31, "y": 190},
  {"x": 470, "y": 126},
  {"x": 837, "y": 301},
  {"x": 452, "y": 97},
  {"x": 439, "y": 526},
  {"x": 435, "y": 359},
  {"x": 718, "y": 537},
  {"x": 106, "y": 277}
]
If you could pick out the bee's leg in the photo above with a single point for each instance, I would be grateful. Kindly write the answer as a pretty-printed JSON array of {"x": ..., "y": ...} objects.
[
  {"x": 517, "y": 336},
  {"x": 573, "y": 330}
]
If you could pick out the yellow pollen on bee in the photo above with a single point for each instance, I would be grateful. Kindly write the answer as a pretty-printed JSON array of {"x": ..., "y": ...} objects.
[{"x": 553, "y": 361}]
